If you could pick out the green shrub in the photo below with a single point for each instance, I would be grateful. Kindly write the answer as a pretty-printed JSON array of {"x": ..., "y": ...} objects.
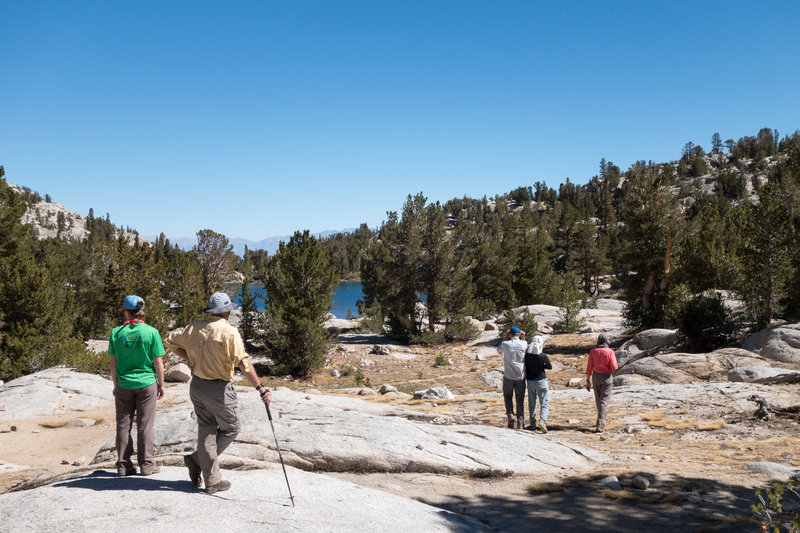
[
  {"x": 774, "y": 511},
  {"x": 705, "y": 322},
  {"x": 362, "y": 380},
  {"x": 440, "y": 360},
  {"x": 427, "y": 338},
  {"x": 523, "y": 320},
  {"x": 461, "y": 330},
  {"x": 371, "y": 318}
]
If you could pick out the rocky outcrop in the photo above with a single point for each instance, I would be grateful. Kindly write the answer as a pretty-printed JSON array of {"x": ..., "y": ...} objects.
[
  {"x": 179, "y": 373},
  {"x": 332, "y": 433},
  {"x": 54, "y": 391},
  {"x": 763, "y": 374},
  {"x": 690, "y": 367},
  {"x": 781, "y": 343},
  {"x": 648, "y": 340},
  {"x": 258, "y": 500}
]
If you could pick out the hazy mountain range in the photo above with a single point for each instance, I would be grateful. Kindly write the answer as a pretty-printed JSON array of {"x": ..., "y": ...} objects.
[{"x": 270, "y": 244}]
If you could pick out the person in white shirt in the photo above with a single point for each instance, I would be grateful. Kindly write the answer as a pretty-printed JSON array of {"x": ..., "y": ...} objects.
[{"x": 513, "y": 350}]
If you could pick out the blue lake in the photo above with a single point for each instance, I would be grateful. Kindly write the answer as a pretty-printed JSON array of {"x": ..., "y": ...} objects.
[{"x": 345, "y": 297}]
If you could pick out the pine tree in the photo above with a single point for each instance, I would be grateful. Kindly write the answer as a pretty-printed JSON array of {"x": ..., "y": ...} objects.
[
  {"x": 214, "y": 254},
  {"x": 652, "y": 225},
  {"x": 300, "y": 282},
  {"x": 392, "y": 268}
]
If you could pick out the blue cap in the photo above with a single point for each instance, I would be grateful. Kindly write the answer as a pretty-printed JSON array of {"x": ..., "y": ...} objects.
[
  {"x": 514, "y": 330},
  {"x": 133, "y": 303}
]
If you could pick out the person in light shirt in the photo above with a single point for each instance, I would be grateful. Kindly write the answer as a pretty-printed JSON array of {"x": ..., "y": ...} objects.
[
  {"x": 513, "y": 350},
  {"x": 214, "y": 349},
  {"x": 599, "y": 374}
]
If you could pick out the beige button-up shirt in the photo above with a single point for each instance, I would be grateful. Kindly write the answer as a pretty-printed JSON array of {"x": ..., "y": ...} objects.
[{"x": 213, "y": 346}]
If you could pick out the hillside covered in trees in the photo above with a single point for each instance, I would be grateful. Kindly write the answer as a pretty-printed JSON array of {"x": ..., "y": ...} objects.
[{"x": 667, "y": 237}]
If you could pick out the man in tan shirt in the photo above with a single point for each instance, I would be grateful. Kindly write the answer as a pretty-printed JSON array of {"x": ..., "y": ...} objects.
[{"x": 215, "y": 349}]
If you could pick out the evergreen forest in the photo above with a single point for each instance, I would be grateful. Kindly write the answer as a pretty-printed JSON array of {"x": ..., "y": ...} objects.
[{"x": 674, "y": 240}]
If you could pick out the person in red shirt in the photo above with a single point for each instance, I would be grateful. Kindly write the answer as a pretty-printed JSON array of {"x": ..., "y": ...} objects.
[{"x": 599, "y": 373}]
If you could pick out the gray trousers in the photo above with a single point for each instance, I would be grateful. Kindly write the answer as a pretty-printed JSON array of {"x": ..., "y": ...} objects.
[
  {"x": 217, "y": 412},
  {"x": 603, "y": 385},
  {"x": 514, "y": 388},
  {"x": 141, "y": 402}
]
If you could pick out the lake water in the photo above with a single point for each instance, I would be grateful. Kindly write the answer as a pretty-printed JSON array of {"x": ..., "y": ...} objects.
[{"x": 345, "y": 297}]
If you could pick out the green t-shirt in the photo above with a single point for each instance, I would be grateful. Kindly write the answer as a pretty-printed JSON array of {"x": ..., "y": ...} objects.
[{"x": 135, "y": 347}]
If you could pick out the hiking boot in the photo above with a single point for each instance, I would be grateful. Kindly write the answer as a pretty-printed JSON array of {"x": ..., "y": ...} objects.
[
  {"x": 222, "y": 485},
  {"x": 194, "y": 470},
  {"x": 533, "y": 423},
  {"x": 520, "y": 422},
  {"x": 542, "y": 427},
  {"x": 126, "y": 471},
  {"x": 510, "y": 421},
  {"x": 150, "y": 470}
]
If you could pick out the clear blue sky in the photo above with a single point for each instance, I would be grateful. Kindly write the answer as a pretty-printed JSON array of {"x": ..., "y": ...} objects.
[{"x": 260, "y": 118}]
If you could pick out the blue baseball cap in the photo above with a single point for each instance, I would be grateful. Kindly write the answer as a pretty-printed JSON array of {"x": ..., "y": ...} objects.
[
  {"x": 133, "y": 303},
  {"x": 514, "y": 330}
]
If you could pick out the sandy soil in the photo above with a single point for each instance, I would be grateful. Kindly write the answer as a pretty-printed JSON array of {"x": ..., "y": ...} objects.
[{"x": 699, "y": 478}]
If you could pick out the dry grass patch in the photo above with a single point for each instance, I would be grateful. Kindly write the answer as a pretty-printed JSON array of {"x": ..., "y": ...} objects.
[
  {"x": 53, "y": 424},
  {"x": 543, "y": 487},
  {"x": 711, "y": 425},
  {"x": 653, "y": 416},
  {"x": 687, "y": 423}
]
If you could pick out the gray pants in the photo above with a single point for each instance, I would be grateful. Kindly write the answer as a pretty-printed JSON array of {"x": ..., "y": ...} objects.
[
  {"x": 514, "y": 388},
  {"x": 603, "y": 384},
  {"x": 142, "y": 402},
  {"x": 217, "y": 412}
]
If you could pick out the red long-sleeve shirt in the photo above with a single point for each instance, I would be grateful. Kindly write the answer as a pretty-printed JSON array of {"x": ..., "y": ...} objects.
[{"x": 602, "y": 361}]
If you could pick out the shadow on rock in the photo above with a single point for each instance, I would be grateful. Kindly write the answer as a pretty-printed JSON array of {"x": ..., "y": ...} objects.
[
  {"x": 586, "y": 505},
  {"x": 101, "y": 480}
]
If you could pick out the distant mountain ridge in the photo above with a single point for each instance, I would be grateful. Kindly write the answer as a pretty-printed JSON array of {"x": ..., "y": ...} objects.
[
  {"x": 51, "y": 219},
  {"x": 270, "y": 244}
]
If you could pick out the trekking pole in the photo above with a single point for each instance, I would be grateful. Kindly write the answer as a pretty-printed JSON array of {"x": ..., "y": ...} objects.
[{"x": 278, "y": 446}]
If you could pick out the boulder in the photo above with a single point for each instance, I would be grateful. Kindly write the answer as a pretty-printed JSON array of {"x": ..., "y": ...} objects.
[
  {"x": 763, "y": 374},
  {"x": 628, "y": 380},
  {"x": 81, "y": 422},
  {"x": 493, "y": 378},
  {"x": 780, "y": 343},
  {"x": 690, "y": 367},
  {"x": 435, "y": 393},
  {"x": 776, "y": 471},
  {"x": 611, "y": 482},
  {"x": 387, "y": 388},
  {"x": 490, "y": 326},
  {"x": 575, "y": 382},
  {"x": 640, "y": 482},
  {"x": 336, "y": 373},
  {"x": 481, "y": 354},
  {"x": 339, "y": 324},
  {"x": 258, "y": 500},
  {"x": 366, "y": 363},
  {"x": 179, "y": 373},
  {"x": 655, "y": 338},
  {"x": 96, "y": 345},
  {"x": 380, "y": 350},
  {"x": 54, "y": 391}
]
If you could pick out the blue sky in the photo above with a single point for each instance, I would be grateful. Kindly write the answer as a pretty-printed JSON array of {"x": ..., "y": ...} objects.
[{"x": 260, "y": 118}]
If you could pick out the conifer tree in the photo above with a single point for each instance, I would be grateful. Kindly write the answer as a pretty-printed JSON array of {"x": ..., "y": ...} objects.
[
  {"x": 300, "y": 282},
  {"x": 652, "y": 226},
  {"x": 214, "y": 254}
]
